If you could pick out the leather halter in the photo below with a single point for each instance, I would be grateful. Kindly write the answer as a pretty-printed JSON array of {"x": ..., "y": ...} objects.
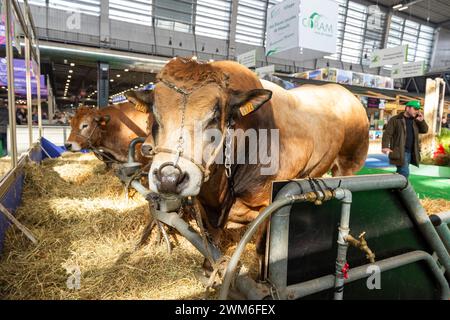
[{"x": 179, "y": 151}]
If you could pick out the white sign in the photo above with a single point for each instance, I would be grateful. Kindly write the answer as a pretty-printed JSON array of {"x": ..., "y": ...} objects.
[
  {"x": 318, "y": 25},
  {"x": 263, "y": 71},
  {"x": 408, "y": 70},
  {"x": 282, "y": 27},
  {"x": 247, "y": 59},
  {"x": 395, "y": 55},
  {"x": 296, "y": 24},
  {"x": 374, "y": 18}
]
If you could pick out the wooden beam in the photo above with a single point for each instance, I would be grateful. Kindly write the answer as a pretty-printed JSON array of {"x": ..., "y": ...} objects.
[{"x": 16, "y": 222}]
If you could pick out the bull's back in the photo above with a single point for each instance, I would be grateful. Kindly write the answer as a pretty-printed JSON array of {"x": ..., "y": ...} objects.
[
  {"x": 318, "y": 124},
  {"x": 331, "y": 98}
]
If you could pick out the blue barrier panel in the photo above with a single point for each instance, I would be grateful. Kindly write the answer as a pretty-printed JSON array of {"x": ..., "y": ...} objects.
[
  {"x": 13, "y": 197},
  {"x": 11, "y": 200},
  {"x": 50, "y": 149}
]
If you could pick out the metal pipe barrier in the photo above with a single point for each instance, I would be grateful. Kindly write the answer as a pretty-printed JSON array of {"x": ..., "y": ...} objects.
[
  {"x": 279, "y": 228},
  {"x": 440, "y": 222},
  {"x": 306, "y": 288},
  {"x": 344, "y": 230},
  {"x": 285, "y": 203},
  {"x": 172, "y": 219},
  {"x": 424, "y": 224},
  {"x": 132, "y": 148}
]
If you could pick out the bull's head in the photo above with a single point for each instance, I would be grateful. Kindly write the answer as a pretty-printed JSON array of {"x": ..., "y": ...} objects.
[
  {"x": 87, "y": 125},
  {"x": 192, "y": 102}
]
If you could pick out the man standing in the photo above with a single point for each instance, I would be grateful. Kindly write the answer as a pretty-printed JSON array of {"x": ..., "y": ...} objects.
[
  {"x": 4, "y": 121},
  {"x": 444, "y": 123},
  {"x": 401, "y": 137}
]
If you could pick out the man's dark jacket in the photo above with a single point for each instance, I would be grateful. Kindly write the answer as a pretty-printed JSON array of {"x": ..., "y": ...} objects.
[
  {"x": 394, "y": 137},
  {"x": 4, "y": 119}
]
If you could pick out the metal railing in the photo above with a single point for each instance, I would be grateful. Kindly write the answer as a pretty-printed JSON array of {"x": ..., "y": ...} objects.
[{"x": 15, "y": 15}]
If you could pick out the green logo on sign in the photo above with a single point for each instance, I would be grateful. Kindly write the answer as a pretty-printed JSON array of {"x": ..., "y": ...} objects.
[
  {"x": 375, "y": 58},
  {"x": 271, "y": 52},
  {"x": 318, "y": 24}
]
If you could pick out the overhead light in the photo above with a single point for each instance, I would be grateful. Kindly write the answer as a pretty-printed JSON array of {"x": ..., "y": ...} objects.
[
  {"x": 403, "y": 8},
  {"x": 69, "y": 76},
  {"x": 72, "y": 64},
  {"x": 111, "y": 80},
  {"x": 136, "y": 87},
  {"x": 118, "y": 75},
  {"x": 70, "y": 71},
  {"x": 397, "y": 6},
  {"x": 126, "y": 70}
]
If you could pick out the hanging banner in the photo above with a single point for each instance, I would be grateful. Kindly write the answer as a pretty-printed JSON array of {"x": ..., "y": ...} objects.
[
  {"x": 374, "y": 17},
  {"x": 294, "y": 25},
  {"x": 267, "y": 70},
  {"x": 247, "y": 59},
  {"x": 408, "y": 70},
  {"x": 318, "y": 25},
  {"x": 282, "y": 27},
  {"x": 388, "y": 56}
]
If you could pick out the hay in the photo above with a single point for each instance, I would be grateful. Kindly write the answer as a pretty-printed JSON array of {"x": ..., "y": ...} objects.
[
  {"x": 5, "y": 165},
  {"x": 76, "y": 208},
  {"x": 435, "y": 205}
]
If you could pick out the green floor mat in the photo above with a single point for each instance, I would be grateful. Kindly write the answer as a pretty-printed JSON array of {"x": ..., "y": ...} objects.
[{"x": 425, "y": 186}]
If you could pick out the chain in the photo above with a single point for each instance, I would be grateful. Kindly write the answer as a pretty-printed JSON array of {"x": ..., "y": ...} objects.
[
  {"x": 180, "y": 149},
  {"x": 228, "y": 141}
]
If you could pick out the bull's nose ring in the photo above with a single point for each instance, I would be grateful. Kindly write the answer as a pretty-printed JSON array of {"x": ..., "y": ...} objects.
[{"x": 170, "y": 164}]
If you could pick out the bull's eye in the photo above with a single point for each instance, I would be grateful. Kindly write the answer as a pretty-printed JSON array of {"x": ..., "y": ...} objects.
[
  {"x": 84, "y": 126},
  {"x": 216, "y": 115},
  {"x": 155, "y": 129}
]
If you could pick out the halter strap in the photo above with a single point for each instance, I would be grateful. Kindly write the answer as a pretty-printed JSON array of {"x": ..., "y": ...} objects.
[{"x": 179, "y": 151}]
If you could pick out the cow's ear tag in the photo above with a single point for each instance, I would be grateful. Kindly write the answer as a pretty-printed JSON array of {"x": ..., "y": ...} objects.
[
  {"x": 140, "y": 107},
  {"x": 247, "y": 108}
]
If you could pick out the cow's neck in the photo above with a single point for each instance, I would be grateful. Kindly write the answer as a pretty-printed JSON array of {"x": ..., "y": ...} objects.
[{"x": 219, "y": 193}]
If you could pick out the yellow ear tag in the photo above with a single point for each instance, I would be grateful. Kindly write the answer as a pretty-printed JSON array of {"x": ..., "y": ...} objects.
[
  {"x": 140, "y": 107},
  {"x": 246, "y": 108}
]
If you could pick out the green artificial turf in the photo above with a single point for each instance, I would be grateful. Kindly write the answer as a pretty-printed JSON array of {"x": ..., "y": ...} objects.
[{"x": 425, "y": 186}]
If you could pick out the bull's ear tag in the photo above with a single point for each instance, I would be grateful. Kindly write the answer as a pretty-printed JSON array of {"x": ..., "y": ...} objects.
[
  {"x": 247, "y": 108},
  {"x": 140, "y": 107}
]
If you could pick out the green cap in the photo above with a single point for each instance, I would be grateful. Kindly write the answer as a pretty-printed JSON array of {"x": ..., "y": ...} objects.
[{"x": 414, "y": 103}]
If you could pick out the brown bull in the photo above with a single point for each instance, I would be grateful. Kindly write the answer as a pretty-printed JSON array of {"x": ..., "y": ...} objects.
[
  {"x": 312, "y": 129},
  {"x": 112, "y": 128}
]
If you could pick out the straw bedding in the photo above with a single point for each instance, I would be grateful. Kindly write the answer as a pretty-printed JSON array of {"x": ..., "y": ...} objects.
[
  {"x": 5, "y": 165},
  {"x": 77, "y": 210}
]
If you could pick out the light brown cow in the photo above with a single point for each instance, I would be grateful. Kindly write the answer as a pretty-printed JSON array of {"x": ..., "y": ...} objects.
[
  {"x": 320, "y": 128},
  {"x": 111, "y": 128}
]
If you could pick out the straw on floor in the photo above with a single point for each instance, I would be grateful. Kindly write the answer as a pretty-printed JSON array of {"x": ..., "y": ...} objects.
[{"x": 86, "y": 228}]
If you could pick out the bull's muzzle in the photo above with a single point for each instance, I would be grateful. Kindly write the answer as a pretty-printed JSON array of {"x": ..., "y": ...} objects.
[{"x": 169, "y": 178}]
